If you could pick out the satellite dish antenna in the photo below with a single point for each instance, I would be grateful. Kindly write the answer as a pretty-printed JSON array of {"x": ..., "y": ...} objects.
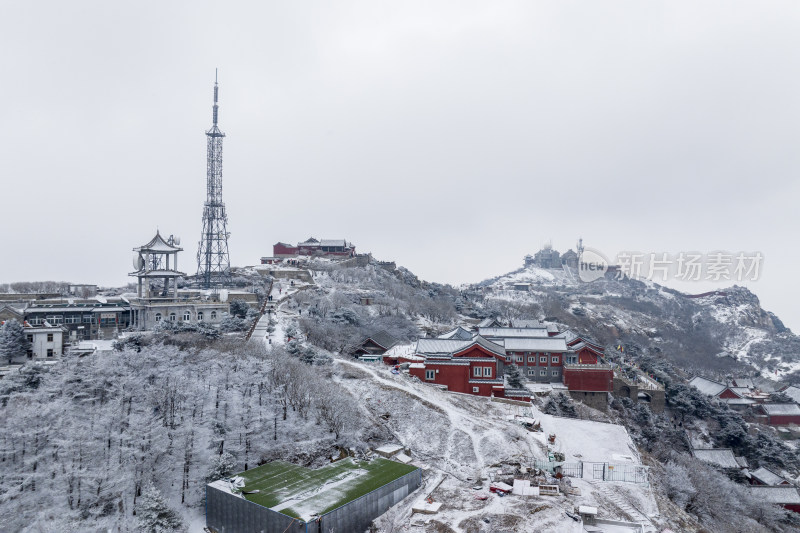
[
  {"x": 177, "y": 241},
  {"x": 138, "y": 262}
]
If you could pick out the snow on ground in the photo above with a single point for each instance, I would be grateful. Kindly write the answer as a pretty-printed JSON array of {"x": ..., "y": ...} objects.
[
  {"x": 459, "y": 439},
  {"x": 587, "y": 441},
  {"x": 533, "y": 275}
]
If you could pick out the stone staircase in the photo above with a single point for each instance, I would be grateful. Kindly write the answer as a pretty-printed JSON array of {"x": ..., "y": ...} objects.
[{"x": 635, "y": 514}]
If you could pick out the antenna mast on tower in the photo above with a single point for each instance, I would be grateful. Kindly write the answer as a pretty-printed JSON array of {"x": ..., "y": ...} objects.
[{"x": 213, "y": 261}]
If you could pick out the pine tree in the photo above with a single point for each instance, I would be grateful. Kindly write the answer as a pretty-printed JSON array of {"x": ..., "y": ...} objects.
[
  {"x": 155, "y": 516},
  {"x": 13, "y": 342},
  {"x": 513, "y": 376},
  {"x": 222, "y": 467}
]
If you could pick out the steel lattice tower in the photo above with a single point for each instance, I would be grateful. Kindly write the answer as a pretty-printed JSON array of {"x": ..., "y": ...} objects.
[{"x": 213, "y": 261}]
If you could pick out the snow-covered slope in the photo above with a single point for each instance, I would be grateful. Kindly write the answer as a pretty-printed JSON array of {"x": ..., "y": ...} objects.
[{"x": 722, "y": 331}]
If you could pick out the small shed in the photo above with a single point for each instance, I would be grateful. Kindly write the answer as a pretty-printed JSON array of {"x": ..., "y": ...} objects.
[
  {"x": 376, "y": 344},
  {"x": 765, "y": 476},
  {"x": 588, "y": 514}
]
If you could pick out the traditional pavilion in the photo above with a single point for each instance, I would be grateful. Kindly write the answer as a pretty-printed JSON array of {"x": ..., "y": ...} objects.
[
  {"x": 157, "y": 261},
  {"x": 153, "y": 261}
]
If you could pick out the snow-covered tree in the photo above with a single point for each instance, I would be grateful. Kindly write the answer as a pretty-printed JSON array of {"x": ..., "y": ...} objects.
[
  {"x": 154, "y": 515},
  {"x": 513, "y": 376},
  {"x": 13, "y": 342},
  {"x": 223, "y": 466},
  {"x": 239, "y": 308}
]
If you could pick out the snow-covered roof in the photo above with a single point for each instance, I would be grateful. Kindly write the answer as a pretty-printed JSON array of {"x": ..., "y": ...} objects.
[
  {"x": 382, "y": 338},
  {"x": 458, "y": 333},
  {"x": 513, "y": 332},
  {"x": 488, "y": 323},
  {"x": 744, "y": 382},
  {"x": 547, "y": 344},
  {"x": 524, "y": 323},
  {"x": 793, "y": 392},
  {"x": 780, "y": 495},
  {"x": 722, "y": 457},
  {"x": 568, "y": 335},
  {"x": 706, "y": 386},
  {"x": 781, "y": 408},
  {"x": 767, "y": 476},
  {"x": 738, "y": 401},
  {"x": 158, "y": 244},
  {"x": 440, "y": 346},
  {"x": 449, "y": 346},
  {"x": 332, "y": 242}
]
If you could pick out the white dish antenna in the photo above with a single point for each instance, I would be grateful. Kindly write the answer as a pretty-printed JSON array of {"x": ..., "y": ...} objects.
[
  {"x": 138, "y": 262},
  {"x": 177, "y": 241}
]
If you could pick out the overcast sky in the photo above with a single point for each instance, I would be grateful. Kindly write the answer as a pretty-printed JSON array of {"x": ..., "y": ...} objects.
[{"x": 452, "y": 137}]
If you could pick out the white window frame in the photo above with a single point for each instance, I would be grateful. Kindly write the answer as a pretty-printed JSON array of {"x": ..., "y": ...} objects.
[
  {"x": 199, "y": 316},
  {"x": 187, "y": 316},
  {"x": 430, "y": 375},
  {"x": 173, "y": 317},
  {"x": 531, "y": 371},
  {"x": 158, "y": 317},
  {"x": 487, "y": 371},
  {"x": 542, "y": 372},
  {"x": 554, "y": 359},
  {"x": 477, "y": 372},
  {"x": 554, "y": 373},
  {"x": 213, "y": 315},
  {"x": 532, "y": 359},
  {"x": 543, "y": 359},
  {"x": 520, "y": 359}
]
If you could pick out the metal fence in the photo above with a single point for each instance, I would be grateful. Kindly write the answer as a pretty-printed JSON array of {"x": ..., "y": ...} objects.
[
  {"x": 628, "y": 473},
  {"x": 566, "y": 469},
  {"x": 620, "y": 472},
  {"x": 231, "y": 513}
]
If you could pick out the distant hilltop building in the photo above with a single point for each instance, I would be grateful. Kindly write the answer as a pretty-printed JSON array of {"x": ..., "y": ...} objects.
[
  {"x": 547, "y": 257},
  {"x": 333, "y": 248}
]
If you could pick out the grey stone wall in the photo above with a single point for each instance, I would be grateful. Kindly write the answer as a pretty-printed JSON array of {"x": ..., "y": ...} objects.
[
  {"x": 624, "y": 388},
  {"x": 598, "y": 400}
]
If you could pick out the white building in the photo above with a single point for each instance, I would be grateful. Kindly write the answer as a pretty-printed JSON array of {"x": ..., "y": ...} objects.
[{"x": 46, "y": 341}]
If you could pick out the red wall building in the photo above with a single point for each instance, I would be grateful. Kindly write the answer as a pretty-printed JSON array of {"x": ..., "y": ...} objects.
[
  {"x": 591, "y": 378},
  {"x": 781, "y": 414}
]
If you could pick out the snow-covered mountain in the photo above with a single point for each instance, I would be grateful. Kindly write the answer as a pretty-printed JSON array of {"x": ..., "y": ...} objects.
[{"x": 718, "y": 332}]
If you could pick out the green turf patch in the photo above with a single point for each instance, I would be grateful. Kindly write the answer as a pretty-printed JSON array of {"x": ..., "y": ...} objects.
[{"x": 302, "y": 492}]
